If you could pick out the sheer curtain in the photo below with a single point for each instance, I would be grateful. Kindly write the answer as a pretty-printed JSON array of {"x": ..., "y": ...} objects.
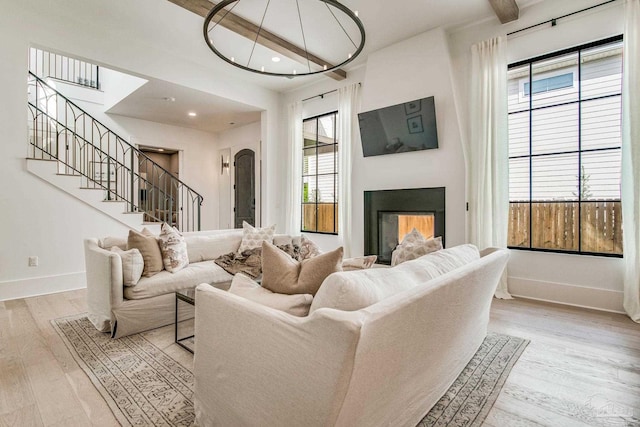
[
  {"x": 487, "y": 149},
  {"x": 348, "y": 104},
  {"x": 631, "y": 158},
  {"x": 293, "y": 184}
]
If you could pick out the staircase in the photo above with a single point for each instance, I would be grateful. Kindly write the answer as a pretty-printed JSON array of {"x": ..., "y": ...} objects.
[{"x": 75, "y": 152}]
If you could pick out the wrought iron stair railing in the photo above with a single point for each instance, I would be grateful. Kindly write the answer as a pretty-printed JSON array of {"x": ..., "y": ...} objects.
[{"x": 61, "y": 130}]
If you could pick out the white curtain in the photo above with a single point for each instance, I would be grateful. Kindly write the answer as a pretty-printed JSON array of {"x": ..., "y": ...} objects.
[
  {"x": 487, "y": 150},
  {"x": 348, "y": 105},
  {"x": 631, "y": 158},
  {"x": 293, "y": 184}
]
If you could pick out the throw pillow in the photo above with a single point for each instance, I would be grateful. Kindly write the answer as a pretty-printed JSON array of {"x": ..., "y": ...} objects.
[
  {"x": 408, "y": 251},
  {"x": 147, "y": 244},
  {"x": 412, "y": 237},
  {"x": 253, "y": 237},
  {"x": 285, "y": 275},
  {"x": 308, "y": 249},
  {"x": 132, "y": 265},
  {"x": 359, "y": 263},
  {"x": 173, "y": 248},
  {"x": 297, "y": 305}
]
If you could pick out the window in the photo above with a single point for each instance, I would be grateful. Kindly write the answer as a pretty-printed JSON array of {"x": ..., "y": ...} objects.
[
  {"x": 564, "y": 150},
  {"x": 320, "y": 175}
]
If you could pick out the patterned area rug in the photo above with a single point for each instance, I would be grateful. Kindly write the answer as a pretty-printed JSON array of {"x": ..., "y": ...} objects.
[
  {"x": 144, "y": 386},
  {"x": 472, "y": 395}
]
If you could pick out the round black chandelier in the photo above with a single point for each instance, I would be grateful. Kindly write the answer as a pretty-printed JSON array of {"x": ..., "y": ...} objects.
[{"x": 286, "y": 38}]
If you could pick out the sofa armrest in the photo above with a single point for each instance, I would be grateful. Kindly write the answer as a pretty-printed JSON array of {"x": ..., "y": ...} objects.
[
  {"x": 488, "y": 250},
  {"x": 104, "y": 283},
  {"x": 254, "y": 363}
]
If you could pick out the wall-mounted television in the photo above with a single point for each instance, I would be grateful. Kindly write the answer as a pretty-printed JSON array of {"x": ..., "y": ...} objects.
[{"x": 410, "y": 126}]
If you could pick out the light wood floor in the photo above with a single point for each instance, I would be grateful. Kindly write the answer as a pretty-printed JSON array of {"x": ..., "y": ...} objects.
[{"x": 581, "y": 368}]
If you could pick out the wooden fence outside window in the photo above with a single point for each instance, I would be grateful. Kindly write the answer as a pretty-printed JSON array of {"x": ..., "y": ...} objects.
[{"x": 554, "y": 225}]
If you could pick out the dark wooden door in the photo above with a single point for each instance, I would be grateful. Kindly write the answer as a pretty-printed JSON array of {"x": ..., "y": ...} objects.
[{"x": 244, "y": 188}]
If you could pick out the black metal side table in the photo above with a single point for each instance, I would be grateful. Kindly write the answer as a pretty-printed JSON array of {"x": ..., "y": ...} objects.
[{"x": 185, "y": 300}]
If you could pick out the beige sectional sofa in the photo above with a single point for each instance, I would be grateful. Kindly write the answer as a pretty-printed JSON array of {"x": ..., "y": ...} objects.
[
  {"x": 124, "y": 310},
  {"x": 379, "y": 347}
]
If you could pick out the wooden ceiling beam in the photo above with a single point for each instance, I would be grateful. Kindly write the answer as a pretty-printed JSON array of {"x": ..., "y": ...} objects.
[
  {"x": 267, "y": 39},
  {"x": 506, "y": 10}
]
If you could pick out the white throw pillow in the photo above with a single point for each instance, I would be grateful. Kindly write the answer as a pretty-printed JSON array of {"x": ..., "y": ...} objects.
[
  {"x": 297, "y": 305},
  {"x": 406, "y": 251},
  {"x": 173, "y": 248},
  {"x": 253, "y": 237},
  {"x": 132, "y": 265}
]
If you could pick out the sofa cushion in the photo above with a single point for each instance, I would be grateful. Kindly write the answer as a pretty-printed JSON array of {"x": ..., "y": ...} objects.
[
  {"x": 253, "y": 237},
  {"x": 132, "y": 265},
  {"x": 297, "y": 305},
  {"x": 148, "y": 246},
  {"x": 354, "y": 290},
  {"x": 209, "y": 247},
  {"x": 166, "y": 283},
  {"x": 285, "y": 275}
]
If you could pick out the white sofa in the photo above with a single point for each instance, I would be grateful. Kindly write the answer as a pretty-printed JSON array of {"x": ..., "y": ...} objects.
[
  {"x": 385, "y": 364},
  {"x": 150, "y": 304}
]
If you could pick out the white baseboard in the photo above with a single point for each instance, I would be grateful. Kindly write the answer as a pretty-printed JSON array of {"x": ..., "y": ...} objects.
[
  {"x": 34, "y": 286},
  {"x": 562, "y": 293}
]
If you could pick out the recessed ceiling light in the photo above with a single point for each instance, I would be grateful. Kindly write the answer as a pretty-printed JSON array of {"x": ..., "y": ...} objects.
[
  {"x": 192, "y": 114},
  {"x": 160, "y": 149},
  {"x": 275, "y": 59}
]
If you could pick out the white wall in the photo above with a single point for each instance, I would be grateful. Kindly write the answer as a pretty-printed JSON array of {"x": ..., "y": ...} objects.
[
  {"x": 230, "y": 143},
  {"x": 415, "y": 68},
  {"x": 118, "y": 34},
  {"x": 571, "y": 279}
]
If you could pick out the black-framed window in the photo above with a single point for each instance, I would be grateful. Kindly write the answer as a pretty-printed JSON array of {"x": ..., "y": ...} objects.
[
  {"x": 565, "y": 137},
  {"x": 320, "y": 174}
]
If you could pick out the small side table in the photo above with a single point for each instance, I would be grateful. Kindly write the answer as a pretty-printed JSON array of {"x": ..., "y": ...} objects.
[{"x": 185, "y": 300}]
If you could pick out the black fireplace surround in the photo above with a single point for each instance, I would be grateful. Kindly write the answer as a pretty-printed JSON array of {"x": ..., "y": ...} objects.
[{"x": 406, "y": 201}]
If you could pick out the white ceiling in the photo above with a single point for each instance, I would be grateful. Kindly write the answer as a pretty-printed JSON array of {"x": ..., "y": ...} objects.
[
  {"x": 386, "y": 22},
  {"x": 164, "y": 102}
]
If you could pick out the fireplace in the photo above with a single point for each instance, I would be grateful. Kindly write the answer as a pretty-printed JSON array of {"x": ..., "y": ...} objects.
[{"x": 390, "y": 214}]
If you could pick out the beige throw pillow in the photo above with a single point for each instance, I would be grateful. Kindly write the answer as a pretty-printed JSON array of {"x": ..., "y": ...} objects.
[
  {"x": 132, "y": 265},
  {"x": 173, "y": 248},
  {"x": 253, "y": 237},
  {"x": 297, "y": 305},
  {"x": 285, "y": 275},
  {"x": 148, "y": 246}
]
